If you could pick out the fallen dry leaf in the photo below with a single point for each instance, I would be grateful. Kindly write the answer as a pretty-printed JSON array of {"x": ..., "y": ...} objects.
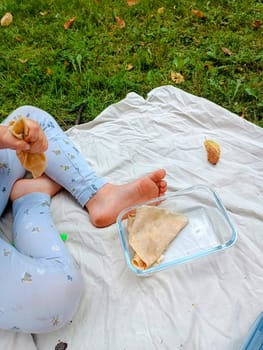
[
  {"x": 213, "y": 151},
  {"x": 7, "y": 19},
  {"x": 243, "y": 114},
  {"x": 23, "y": 60},
  {"x": 129, "y": 66},
  {"x": 132, "y": 2},
  {"x": 69, "y": 22},
  {"x": 61, "y": 346},
  {"x": 198, "y": 13},
  {"x": 208, "y": 65},
  {"x": 120, "y": 22},
  {"x": 161, "y": 10},
  {"x": 257, "y": 24},
  {"x": 43, "y": 13},
  {"x": 226, "y": 51},
  {"x": 49, "y": 71},
  {"x": 178, "y": 78}
]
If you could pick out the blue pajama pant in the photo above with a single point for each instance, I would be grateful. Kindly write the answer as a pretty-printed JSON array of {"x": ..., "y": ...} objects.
[{"x": 40, "y": 283}]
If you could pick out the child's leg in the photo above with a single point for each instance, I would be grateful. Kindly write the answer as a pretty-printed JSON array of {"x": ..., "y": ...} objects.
[
  {"x": 10, "y": 171},
  {"x": 41, "y": 285},
  {"x": 68, "y": 167},
  {"x": 65, "y": 164}
]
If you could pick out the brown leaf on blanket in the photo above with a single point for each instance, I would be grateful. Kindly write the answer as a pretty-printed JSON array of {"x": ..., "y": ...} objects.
[
  {"x": 213, "y": 151},
  {"x": 61, "y": 346}
]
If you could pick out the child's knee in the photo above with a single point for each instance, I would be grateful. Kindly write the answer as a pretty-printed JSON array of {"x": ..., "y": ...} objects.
[
  {"x": 63, "y": 298},
  {"x": 57, "y": 304},
  {"x": 24, "y": 111},
  {"x": 47, "y": 300}
]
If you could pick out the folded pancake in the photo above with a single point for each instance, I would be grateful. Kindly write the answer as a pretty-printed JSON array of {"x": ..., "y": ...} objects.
[
  {"x": 34, "y": 162},
  {"x": 151, "y": 230}
]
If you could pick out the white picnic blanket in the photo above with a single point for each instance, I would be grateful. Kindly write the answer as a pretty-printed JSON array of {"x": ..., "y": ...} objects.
[{"x": 206, "y": 304}]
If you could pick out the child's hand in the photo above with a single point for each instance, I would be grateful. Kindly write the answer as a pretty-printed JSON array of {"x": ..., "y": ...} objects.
[
  {"x": 34, "y": 142},
  {"x": 35, "y": 137},
  {"x": 7, "y": 140}
]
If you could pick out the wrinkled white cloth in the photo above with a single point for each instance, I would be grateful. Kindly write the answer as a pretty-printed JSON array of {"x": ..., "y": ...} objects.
[{"x": 206, "y": 304}]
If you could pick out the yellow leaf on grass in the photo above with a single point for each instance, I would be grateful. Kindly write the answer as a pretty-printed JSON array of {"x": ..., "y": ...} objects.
[
  {"x": 213, "y": 151},
  {"x": 129, "y": 66},
  {"x": 226, "y": 51},
  {"x": 7, "y": 19},
  {"x": 132, "y": 2},
  {"x": 198, "y": 13},
  {"x": 161, "y": 10},
  {"x": 69, "y": 22},
  {"x": 49, "y": 71},
  {"x": 178, "y": 78},
  {"x": 120, "y": 22},
  {"x": 257, "y": 24},
  {"x": 23, "y": 60}
]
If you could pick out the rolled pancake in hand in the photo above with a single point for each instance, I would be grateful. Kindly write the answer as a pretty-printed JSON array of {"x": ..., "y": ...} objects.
[
  {"x": 34, "y": 162},
  {"x": 151, "y": 230}
]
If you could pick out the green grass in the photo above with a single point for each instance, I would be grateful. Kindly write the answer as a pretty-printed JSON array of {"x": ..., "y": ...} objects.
[{"x": 58, "y": 70}]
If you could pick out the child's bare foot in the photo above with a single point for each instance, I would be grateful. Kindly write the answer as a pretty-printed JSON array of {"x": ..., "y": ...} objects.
[
  {"x": 108, "y": 202},
  {"x": 41, "y": 184}
]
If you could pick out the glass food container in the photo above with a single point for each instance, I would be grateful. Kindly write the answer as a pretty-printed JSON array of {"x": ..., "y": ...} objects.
[{"x": 209, "y": 229}]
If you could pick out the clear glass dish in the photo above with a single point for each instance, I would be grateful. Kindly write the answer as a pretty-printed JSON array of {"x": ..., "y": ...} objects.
[{"x": 208, "y": 231}]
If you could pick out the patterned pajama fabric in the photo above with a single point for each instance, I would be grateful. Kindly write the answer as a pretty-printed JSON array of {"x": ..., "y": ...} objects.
[{"x": 40, "y": 283}]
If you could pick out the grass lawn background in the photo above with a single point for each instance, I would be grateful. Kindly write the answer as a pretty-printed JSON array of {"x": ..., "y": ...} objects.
[{"x": 212, "y": 49}]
